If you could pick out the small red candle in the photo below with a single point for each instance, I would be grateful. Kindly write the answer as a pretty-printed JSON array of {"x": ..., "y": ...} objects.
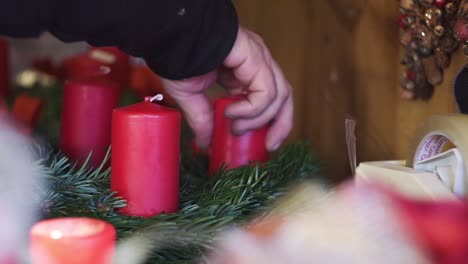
[
  {"x": 234, "y": 150},
  {"x": 72, "y": 241},
  {"x": 86, "y": 119},
  {"x": 145, "y": 158},
  {"x": 4, "y": 68}
]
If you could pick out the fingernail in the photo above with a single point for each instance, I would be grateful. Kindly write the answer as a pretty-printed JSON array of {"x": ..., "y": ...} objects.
[{"x": 275, "y": 147}]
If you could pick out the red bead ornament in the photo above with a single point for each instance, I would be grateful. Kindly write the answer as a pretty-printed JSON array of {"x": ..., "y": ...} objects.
[
  {"x": 234, "y": 150},
  {"x": 145, "y": 157},
  {"x": 461, "y": 30},
  {"x": 440, "y": 3},
  {"x": 401, "y": 21},
  {"x": 4, "y": 68},
  {"x": 410, "y": 75},
  {"x": 86, "y": 119}
]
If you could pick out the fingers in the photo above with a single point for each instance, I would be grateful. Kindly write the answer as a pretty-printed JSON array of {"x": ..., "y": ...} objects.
[
  {"x": 269, "y": 97},
  {"x": 196, "y": 106},
  {"x": 280, "y": 112},
  {"x": 281, "y": 126},
  {"x": 274, "y": 105}
]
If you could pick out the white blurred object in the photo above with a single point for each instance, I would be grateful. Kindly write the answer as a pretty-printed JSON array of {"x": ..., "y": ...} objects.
[
  {"x": 355, "y": 227},
  {"x": 18, "y": 183}
]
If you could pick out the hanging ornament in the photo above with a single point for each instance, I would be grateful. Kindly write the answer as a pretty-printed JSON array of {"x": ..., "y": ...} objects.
[{"x": 431, "y": 31}]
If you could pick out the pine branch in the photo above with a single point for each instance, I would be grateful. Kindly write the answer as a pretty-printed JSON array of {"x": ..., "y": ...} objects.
[{"x": 208, "y": 206}]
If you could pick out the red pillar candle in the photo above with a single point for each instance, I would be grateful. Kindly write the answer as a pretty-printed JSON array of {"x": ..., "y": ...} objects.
[
  {"x": 4, "y": 68},
  {"x": 83, "y": 66},
  {"x": 106, "y": 62},
  {"x": 72, "y": 241},
  {"x": 234, "y": 150},
  {"x": 145, "y": 158},
  {"x": 117, "y": 60},
  {"x": 86, "y": 119}
]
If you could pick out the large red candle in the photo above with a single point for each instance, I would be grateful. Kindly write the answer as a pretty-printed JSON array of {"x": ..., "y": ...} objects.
[
  {"x": 145, "y": 158},
  {"x": 86, "y": 119},
  {"x": 230, "y": 149},
  {"x": 72, "y": 241},
  {"x": 4, "y": 68}
]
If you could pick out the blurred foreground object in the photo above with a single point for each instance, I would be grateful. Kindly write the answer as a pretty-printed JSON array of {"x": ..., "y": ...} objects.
[
  {"x": 354, "y": 224},
  {"x": 17, "y": 192},
  {"x": 436, "y": 167}
]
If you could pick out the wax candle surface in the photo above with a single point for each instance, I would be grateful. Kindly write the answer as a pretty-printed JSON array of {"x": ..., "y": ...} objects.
[
  {"x": 72, "y": 241},
  {"x": 117, "y": 60},
  {"x": 234, "y": 150},
  {"x": 86, "y": 119},
  {"x": 145, "y": 158},
  {"x": 4, "y": 68}
]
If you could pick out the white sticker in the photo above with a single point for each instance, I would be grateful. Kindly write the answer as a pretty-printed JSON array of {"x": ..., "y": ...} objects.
[{"x": 431, "y": 145}]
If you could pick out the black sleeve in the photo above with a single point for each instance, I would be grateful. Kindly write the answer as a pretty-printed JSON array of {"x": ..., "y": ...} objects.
[{"x": 177, "y": 38}]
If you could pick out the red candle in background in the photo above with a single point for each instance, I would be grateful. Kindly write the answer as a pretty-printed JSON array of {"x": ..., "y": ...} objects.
[
  {"x": 72, "y": 241},
  {"x": 145, "y": 158},
  {"x": 234, "y": 150},
  {"x": 108, "y": 63},
  {"x": 83, "y": 66},
  {"x": 27, "y": 110},
  {"x": 86, "y": 119},
  {"x": 117, "y": 60},
  {"x": 4, "y": 68}
]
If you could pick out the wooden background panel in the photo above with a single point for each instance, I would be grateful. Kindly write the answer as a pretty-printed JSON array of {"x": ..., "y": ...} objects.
[
  {"x": 282, "y": 25},
  {"x": 342, "y": 58}
]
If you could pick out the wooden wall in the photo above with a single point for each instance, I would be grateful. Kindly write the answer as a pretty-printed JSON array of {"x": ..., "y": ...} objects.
[{"x": 342, "y": 57}]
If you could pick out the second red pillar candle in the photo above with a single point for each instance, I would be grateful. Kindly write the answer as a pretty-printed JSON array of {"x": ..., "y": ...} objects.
[
  {"x": 145, "y": 158},
  {"x": 86, "y": 119},
  {"x": 234, "y": 150}
]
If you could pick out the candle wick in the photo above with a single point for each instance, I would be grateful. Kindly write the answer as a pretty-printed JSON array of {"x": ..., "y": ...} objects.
[{"x": 158, "y": 97}]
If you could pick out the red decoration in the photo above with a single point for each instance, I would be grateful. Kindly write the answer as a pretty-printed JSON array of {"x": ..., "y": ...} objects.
[
  {"x": 410, "y": 75},
  {"x": 4, "y": 68},
  {"x": 145, "y": 158},
  {"x": 461, "y": 30},
  {"x": 86, "y": 119},
  {"x": 72, "y": 241},
  {"x": 441, "y": 3},
  {"x": 27, "y": 110},
  {"x": 234, "y": 150},
  {"x": 401, "y": 21}
]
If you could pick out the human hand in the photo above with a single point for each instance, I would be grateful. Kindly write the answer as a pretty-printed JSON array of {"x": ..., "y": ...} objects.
[{"x": 248, "y": 69}]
